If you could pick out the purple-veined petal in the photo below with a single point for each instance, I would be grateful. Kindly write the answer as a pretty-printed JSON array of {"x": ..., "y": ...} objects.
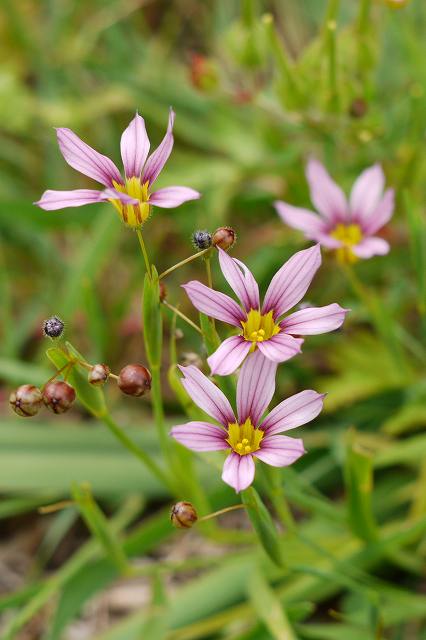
[
  {"x": 83, "y": 158},
  {"x": 206, "y": 395},
  {"x": 200, "y": 436},
  {"x": 281, "y": 347},
  {"x": 113, "y": 194},
  {"x": 134, "y": 147},
  {"x": 255, "y": 387},
  {"x": 369, "y": 247},
  {"x": 228, "y": 357},
  {"x": 314, "y": 320},
  {"x": 238, "y": 471},
  {"x": 366, "y": 193},
  {"x": 52, "y": 200},
  {"x": 328, "y": 241},
  {"x": 159, "y": 157},
  {"x": 173, "y": 196},
  {"x": 240, "y": 279},
  {"x": 326, "y": 195},
  {"x": 302, "y": 219},
  {"x": 293, "y": 412},
  {"x": 382, "y": 214},
  {"x": 214, "y": 304},
  {"x": 290, "y": 283},
  {"x": 280, "y": 451}
]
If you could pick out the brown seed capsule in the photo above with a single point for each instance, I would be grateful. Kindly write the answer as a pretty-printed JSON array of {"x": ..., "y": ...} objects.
[
  {"x": 134, "y": 380},
  {"x": 183, "y": 515},
  {"x": 98, "y": 375},
  {"x": 58, "y": 396},
  {"x": 224, "y": 237},
  {"x": 163, "y": 291},
  {"x": 26, "y": 400}
]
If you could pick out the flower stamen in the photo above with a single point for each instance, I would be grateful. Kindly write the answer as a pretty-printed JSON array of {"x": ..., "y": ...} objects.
[
  {"x": 349, "y": 235},
  {"x": 244, "y": 438},
  {"x": 258, "y": 327}
]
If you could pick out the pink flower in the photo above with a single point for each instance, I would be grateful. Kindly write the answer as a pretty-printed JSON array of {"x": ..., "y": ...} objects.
[
  {"x": 347, "y": 227},
  {"x": 261, "y": 327},
  {"x": 132, "y": 195},
  {"x": 248, "y": 435}
]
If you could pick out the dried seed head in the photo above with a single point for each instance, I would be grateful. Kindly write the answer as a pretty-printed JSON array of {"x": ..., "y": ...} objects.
[
  {"x": 53, "y": 327},
  {"x": 26, "y": 400},
  {"x": 202, "y": 239},
  {"x": 163, "y": 291},
  {"x": 58, "y": 396},
  {"x": 358, "y": 108},
  {"x": 224, "y": 237},
  {"x": 98, "y": 374},
  {"x": 134, "y": 380},
  {"x": 183, "y": 515},
  {"x": 190, "y": 358}
]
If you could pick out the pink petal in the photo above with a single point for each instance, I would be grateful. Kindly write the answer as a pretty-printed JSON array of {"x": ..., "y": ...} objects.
[
  {"x": 255, "y": 387},
  {"x": 173, "y": 196},
  {"x": 382, "y": 214},
  {"x": 240, "y": 279},
  {"x": 281, "y": 347},
  {"x": 328, "y": 241},
  {"x": 280, "y": 451},
  {"x": 314, "y": 320},
  {"x": 301, "y": 219},
  {"x": 200, "y": 436},
  {"x": 206, "y": 395},
  {"x": 369, "y": 247},
  {"x": 366, "y": 192},
  {"x": 293, "y": 412},
  {"x": 158, "y": 159},
  {"x": 214, "y": 304},
  {"x": 134, "y": 147},
  {"x": 238, "y": 471},
  {"x": 83, "y": 158},
  {"x": 52, "y": 200},
  {"x": 327, "y": 197},
  {"x": 228, "y": 357},
  {"x": 290, "y": 283},
  {"x": 113, "y": 194}
]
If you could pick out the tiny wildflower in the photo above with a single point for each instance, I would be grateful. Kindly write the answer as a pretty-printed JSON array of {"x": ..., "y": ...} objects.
[
  {"x": 246, "y": 436},
  {"x": 131, "y": 196}
]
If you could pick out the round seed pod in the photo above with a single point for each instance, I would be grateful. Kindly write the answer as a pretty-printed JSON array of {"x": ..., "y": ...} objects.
[
  {"x": 58, "y": 396},
  {"x": 134, "y": 380},
  {"x": 26, "y": 400},
  {"x": 183, "y": 515},
  {"x": 224, "y": 237},
  {"x": 53, "y": 327},
  {"x": 98, "y": 375},
  {"x": 202, "y": 239}
]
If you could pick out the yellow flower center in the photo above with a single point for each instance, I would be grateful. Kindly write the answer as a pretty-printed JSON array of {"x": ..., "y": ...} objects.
[
  {"x": 348, "y": 235},
  {"x": 244, "y": 438},
  {"x": 258, "y": 327},
  {"x": 134, "y": 215}
]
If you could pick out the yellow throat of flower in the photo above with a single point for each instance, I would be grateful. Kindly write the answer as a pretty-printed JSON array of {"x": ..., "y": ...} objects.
[
  {"x": 244, "y": 438},
  {"x": 348, "y": 235},
  {"x": 258, "y": 327},
  {"x": 133, "y": 215}
]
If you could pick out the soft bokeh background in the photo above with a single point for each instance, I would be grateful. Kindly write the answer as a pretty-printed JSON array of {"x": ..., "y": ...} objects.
[{"x": 253, "y": 99}]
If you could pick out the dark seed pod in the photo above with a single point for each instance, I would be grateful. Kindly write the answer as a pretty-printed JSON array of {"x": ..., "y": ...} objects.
[
  {"x": 98, "y": 375},
  {"x": 26, "y": 400},
  {"x": 224, "y": 237},
  {"x": 183, "y": 515},
  {"x": 58, "y": 396},
  {"x": 53, "y": 327},
  {"x": 202, "y": 240},
  {"x": 134, "y": 380}
]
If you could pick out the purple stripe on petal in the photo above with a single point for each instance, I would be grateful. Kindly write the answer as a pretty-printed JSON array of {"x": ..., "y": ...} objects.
[
  {"x": 371, "y": 247},
  {"x": 214, "y": 304},
  {"x": 279, "y": 348},
  {"x": 293, "y": 412},
  {"x": 134, "y": 147},
  {"x": 314, "y": 320},
  {"x": 382, "y": 214},
  {"x": 159, "y": 157},
  {"x": 173, "y": 196},
  {"x": 206, "y": 395},
  {"x": 302, "y": 219},
  {"x": 52, "y": 200},
  {"x": 83, "y": 158},
  {"x": 290, "y": 283},
  {"x": 366, "y": 193},
  {"x": 255, "y": 387},
  {"x": 240, "y": 279},
  {"x": 280, "y": 451},
  {"x": 238, "y": 471},
  {"x": 228, "y": 357},
  {"x": 326, "y": 195},
  {"x": 200, "y": 436}
]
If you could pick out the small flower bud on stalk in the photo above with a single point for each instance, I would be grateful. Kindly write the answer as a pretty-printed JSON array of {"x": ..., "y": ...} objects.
[
  {"x": 26, "y": 400},
  {"x": 98, "y": 375},
  {"x": 183, "y": 515},
  {"x": 202, "y": 239},
  {"x": 224, "y": 237},
  {"x": 134, "y": 380},
  {"x": 53, "y": 327},
  {"x": 163, "y": 291},
  {"x": 58, "y": 396}
]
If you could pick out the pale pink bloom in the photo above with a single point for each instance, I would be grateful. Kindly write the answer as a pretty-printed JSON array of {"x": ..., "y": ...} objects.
[
  {"x": 247, "y": 435},
  {"x": 346, "y": 226},
  {"x": 131, "y": 195},
  {"x": 262, "y": 327}
]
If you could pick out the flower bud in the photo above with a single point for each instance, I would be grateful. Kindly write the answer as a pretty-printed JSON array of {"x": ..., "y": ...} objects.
[
  {"x": 134, "y": 380},
  {"x": 98, "y": 375},
  {"x": 183, "y": 515},
  {"x": 224, "y": 237},
  {"x": 26, "y": 400},
  {"x": 163, "y": 291},
  {"x": 53, "y": 327},
  {"x": 202, "y": 239},
  {"x": 58, "y": 396}
]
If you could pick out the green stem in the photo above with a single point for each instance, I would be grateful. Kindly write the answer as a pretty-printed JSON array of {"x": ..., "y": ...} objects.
[
  {"x": 157, "y": 405},
  {"x": 183, "y": 262},
  {"x": 182, "y": 315},
  {"x": 363, "y": 15},
  {"x": 144, "y": 252},
  {"x": 277, "y": 496}
]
